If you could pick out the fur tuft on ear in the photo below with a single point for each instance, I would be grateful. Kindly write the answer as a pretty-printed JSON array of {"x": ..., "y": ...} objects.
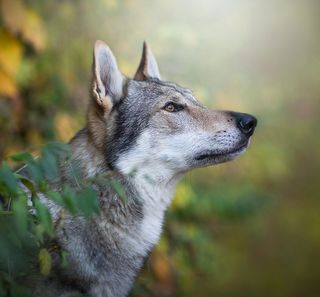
[
  {"x": 148, "y": 67},
  {"x": 107, "y": 80},
  {"x": 107, "y": 89}
]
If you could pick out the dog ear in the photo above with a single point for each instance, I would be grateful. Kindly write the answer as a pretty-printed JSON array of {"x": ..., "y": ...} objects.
[
  {"x": 107, "y": 80},
  {"x": 148, "y": 67}
]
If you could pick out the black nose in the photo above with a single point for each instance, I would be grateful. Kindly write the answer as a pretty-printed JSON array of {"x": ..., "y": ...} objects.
[{"x": 246, "y": 123}]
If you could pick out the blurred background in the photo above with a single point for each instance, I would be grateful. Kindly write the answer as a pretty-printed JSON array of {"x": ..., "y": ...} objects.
[{"x": 247, "y": 228}]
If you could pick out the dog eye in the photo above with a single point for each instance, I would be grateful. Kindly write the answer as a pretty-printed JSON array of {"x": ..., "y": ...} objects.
[{"x": 173, "y": 107}]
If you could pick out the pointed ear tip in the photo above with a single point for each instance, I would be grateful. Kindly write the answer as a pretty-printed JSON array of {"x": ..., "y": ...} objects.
[
  {"x": 146, "y": 46},
  {"x": 100, "y": 44}
]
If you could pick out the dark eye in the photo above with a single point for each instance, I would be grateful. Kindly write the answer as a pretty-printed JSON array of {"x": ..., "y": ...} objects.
[{"x": 173, "y": 107}]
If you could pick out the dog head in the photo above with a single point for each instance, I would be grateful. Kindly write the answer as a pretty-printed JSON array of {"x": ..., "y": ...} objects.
[{"x": 149, "y": 125}]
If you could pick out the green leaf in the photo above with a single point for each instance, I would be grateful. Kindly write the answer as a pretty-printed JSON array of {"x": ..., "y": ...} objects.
[
  {"x": 21, "y": 157},
  {"x": 56, "y": 197},
  {"x": 64, "y": 259},
  {"x": 58, "y": 148},
  {"x": 34, "y": 170},
  {"x": 38, "y": 230},
  {"x": 45, "y": 262},
  {"x": 19, "y": 208},
  {"x": 27, "y": 183},
  {"x": 43, "y": 186},
  {"x": 5, "y": 212},
  {"x": 8, "y": 178},
  {"x": 87, "y": 202},
  {"x": 118, "y": 187},
  {"x": 73, "y": 173},
  {"x": 49, "y": 164},
  {"x": 44, "y": 216},
  {"x": 69, "y": 199}
]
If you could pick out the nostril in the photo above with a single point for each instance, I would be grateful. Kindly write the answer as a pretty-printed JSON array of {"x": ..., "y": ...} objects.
[{"x": 246, "y": 124}]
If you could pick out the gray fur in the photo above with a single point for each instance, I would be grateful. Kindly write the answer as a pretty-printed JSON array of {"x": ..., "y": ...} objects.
[
  {"x": 147, "y": 149},
  {"x": 132, "y": 113}
]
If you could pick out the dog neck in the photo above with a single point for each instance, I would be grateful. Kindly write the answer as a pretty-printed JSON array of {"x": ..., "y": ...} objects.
[
  {"x": 154, "y": 183},
  {"x": 151, "y": 189}
]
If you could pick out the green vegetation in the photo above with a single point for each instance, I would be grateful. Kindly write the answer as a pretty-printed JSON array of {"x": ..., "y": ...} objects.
[{"x": 26, "y": 228}]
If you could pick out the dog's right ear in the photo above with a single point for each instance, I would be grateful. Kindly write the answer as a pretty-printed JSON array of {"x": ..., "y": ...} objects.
[
  {"x": 107, "y": 80},
  {"x": 148, "y": 67}
]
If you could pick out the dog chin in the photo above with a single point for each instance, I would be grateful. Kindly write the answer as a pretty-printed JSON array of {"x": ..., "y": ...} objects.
[
  {"x": 209, "y": 158},
  {"x": 232, "y": 156}
]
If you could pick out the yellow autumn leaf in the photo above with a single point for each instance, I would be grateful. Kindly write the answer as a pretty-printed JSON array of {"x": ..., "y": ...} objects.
[
  {"x": 44, "y": 259},
  {"x": 10, "y": 54},
  {"x": 33, "y": 30},
  {"x": 12, "y": 13},
  {"x": 18, "y": 18},
  {"x": 7, "y": 85}
]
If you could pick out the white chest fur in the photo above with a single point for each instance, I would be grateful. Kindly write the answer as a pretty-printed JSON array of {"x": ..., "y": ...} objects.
[{"x": 155, "y": 199}]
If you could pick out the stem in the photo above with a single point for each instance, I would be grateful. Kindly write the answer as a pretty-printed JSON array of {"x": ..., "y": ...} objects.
[{"x": 6, "y": 213}]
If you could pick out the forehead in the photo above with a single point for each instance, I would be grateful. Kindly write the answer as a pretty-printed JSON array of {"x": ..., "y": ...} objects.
[{"x": 154, "y": 90}]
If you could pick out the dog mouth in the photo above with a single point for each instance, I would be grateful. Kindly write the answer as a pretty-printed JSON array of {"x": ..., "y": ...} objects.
[{"x": 215, "y": 155}]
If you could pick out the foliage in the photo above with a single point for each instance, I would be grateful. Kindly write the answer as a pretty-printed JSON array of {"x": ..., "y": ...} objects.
[{"x": 25, "y": 221}]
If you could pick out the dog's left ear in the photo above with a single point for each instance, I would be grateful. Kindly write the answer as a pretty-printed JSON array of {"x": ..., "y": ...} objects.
[
  {"x": 148, "y": 67},
  {"x": 107, "y": 80}
]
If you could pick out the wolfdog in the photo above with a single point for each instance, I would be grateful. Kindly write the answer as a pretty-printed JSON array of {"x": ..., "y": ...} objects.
[{"x": 147, "y": 133}]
